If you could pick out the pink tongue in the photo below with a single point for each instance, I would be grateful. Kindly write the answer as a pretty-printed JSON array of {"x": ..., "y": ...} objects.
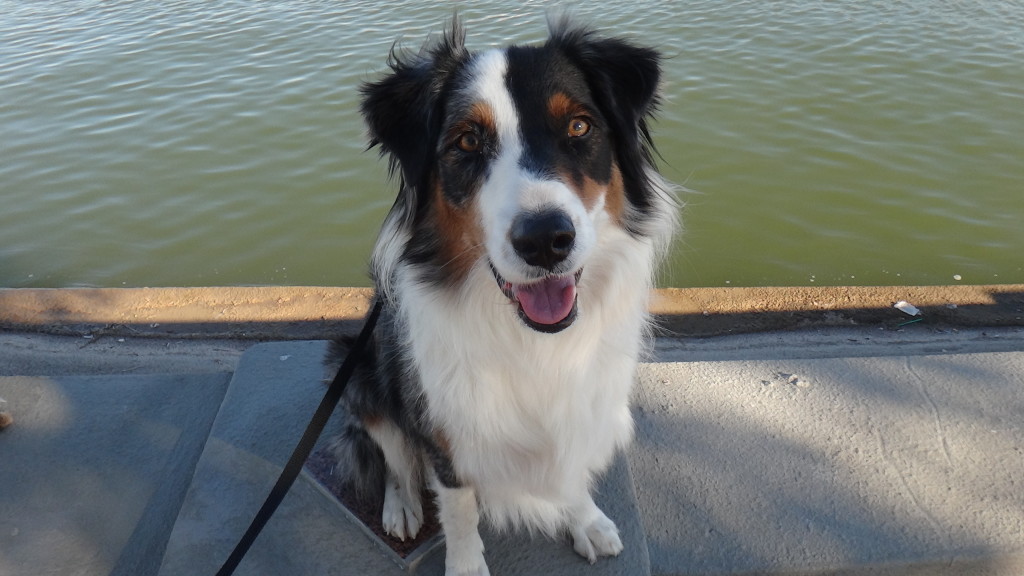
[{"x": 548, "y": 301}]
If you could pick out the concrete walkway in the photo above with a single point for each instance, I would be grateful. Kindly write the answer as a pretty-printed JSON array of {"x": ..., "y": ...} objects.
[{"x": 862, "y": 450}]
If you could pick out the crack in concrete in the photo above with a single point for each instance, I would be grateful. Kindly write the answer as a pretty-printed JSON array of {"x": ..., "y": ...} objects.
[{"x": 922, "y": 387}]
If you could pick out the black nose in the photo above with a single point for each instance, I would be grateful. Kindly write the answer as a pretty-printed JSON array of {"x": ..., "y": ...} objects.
[{"x": 543, "y": 238}]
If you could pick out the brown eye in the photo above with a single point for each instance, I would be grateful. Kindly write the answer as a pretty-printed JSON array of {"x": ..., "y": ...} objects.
[
  {"x": 578, "y": 126},
  {"x": 468, "y": 142}
]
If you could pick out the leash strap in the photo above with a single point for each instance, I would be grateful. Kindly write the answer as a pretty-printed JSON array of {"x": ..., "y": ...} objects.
[{"x": 305, "y": 445}]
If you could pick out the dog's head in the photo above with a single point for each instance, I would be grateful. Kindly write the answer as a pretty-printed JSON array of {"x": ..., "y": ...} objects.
[{"x": 515, "y": 158}]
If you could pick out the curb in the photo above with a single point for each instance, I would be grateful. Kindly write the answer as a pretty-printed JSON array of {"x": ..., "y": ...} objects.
[
  {"x": 304, "y": 312},
  {"x": 717, "y": 311}
]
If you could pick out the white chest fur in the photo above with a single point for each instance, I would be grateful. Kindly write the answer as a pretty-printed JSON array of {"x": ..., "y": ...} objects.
[{"x": 531, "y": 417}]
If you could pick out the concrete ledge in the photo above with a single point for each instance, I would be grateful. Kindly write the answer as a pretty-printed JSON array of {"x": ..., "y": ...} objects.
[
  {"x": 716, "y": 311},
  {"x": 300, "y": 313},
  {"x": 269, "y": 312}
]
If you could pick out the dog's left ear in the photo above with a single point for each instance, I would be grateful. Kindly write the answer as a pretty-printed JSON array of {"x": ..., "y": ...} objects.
[
  {"x": 622, "y": 76},
  {"x": 401, "y": 109}
]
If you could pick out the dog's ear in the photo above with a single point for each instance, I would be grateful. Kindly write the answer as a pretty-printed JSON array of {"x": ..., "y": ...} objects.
[
  {"x": 402, "y": 110},
  {"x": 622, "y": 77}
]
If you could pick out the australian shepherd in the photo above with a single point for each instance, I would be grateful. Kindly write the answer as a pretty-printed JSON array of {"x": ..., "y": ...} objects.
[{"x": 514, "y": 270}]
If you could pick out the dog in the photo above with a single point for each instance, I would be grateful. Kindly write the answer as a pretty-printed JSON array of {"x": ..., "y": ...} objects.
[{"x": 514, "y": 271}]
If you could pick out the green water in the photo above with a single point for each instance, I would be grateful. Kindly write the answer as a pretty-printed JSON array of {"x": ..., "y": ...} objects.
[{"x": 217, "y": 143}]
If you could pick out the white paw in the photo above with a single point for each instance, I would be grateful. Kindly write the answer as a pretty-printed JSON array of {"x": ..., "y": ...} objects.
[
  {"x": 400, "y": 517},
  {"x": 480, "y": 570},
  {"x": 465, "y": 557},
  {"x": 599, "y": 538}
]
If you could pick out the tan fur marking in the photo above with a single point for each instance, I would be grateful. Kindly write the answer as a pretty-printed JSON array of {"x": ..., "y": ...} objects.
[
  {"x": 589, "y": 192},
  {"x": 460, "y": 233},
  {"x": 561, "y": 107},
  {"x": 482, "y": 114},
  {"x": 615, "y": 197},
  {"x": 443, "y": 443},
  {"x": 479, "y": 114}
]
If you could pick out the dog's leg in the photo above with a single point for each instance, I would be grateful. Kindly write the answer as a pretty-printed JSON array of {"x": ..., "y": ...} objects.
[
  {"x": 593, "y": 533},
  {"x": 403, "y": 508},
  {"x": 459, "y": 515}
]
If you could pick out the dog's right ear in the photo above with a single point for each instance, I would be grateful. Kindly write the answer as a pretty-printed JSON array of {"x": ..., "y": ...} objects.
[{"x": 402, "y": 110}]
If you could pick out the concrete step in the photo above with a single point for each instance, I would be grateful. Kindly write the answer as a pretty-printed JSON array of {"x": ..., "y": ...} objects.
[
  {"x": 94, "y": 469},
  {"x": 273, "y": 393}
]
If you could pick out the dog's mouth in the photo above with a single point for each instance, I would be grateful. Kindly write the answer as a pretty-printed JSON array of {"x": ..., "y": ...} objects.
[{"x": 547, "y": 305}]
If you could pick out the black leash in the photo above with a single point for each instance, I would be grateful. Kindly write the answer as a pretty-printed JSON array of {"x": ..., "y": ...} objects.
[{"x": 305, "y": 445}]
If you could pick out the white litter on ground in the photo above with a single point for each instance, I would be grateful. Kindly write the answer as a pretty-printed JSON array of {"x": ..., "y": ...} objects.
[{"x": 907, "y": 308}]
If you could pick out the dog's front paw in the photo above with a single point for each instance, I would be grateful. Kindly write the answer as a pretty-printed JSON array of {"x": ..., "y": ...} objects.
[
  {"x": 466, "y": 563},
  {"x": 480, "y": 570},
  {"x": 465, "y": 555},
  {"x": 400, "y": 517},
  {"x": 599, "y": 538}
]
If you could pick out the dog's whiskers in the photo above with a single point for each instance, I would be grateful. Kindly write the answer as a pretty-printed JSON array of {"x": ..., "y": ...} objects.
[{"x": 469, "y": 249}]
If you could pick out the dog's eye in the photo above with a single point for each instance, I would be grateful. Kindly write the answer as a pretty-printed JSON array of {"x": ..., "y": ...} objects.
[
  {"x": 468, "y": 142},
  {"x": 578, "y": 127}
]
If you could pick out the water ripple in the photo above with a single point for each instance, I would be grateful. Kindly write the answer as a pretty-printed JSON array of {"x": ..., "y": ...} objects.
[{"x": 191, "y": 143}]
